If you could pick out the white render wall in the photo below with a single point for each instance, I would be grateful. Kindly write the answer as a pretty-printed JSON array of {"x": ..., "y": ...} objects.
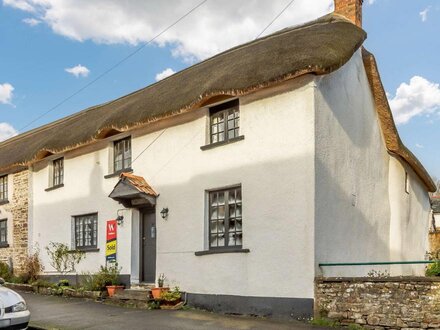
[
  {"x": 362, "y": 214},
  {"x": 410, "y": 219},
  {"x": 274, "y": 164}
]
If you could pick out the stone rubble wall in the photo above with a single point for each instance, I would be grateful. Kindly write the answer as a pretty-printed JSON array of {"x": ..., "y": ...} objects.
[
  {"x": 380, "y": 303},
  {"x": 18, "y": 208}
]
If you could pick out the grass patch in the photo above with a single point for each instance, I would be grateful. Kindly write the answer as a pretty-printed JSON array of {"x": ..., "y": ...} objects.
[{"x": 325, "y": 322}]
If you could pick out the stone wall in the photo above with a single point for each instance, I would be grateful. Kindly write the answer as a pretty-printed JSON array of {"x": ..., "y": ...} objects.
[
  {"x": 17, "y": 222},
  {"x": 434, "y": 243},
  {"x": 380, "y": 303}
]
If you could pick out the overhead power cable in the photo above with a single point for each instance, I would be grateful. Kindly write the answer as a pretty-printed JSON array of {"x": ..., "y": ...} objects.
[
  {"x": 276, "y": 17},
  {"x": 113, "y": 66}
]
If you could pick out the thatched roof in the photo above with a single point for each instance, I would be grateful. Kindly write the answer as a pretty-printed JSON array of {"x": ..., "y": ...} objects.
[
  {"x": 392, "y": 139},
  {"x": 319, "y": 47}
]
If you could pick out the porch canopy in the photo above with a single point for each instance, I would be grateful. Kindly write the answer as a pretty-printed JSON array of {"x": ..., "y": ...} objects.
[{"x": 133, "y": 191}]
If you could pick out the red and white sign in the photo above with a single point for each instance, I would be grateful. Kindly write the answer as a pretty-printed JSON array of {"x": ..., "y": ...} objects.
[{"x": 112, "y": 227}]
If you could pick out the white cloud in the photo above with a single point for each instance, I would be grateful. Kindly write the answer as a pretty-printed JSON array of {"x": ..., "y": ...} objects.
[
  {"x": 424, "y": 14},
  {"x": 165, "y": 73},
  {"x": 31, "y": 21},
  {"x": 370, "y": 2},
  {"x": 420, "y": 146},
  {"x": 7, "y": 131},
  {"x": 78, "y": 71},
  {"x": 6, "y": 93},
  {"x": 213, "y": 27},
  {"x": 419, "y": 97},
  {"x": 24, "y": 5}
]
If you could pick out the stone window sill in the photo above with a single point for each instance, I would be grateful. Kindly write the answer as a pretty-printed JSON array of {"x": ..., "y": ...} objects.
[
  {"x": 54, "y": 187},
  {"x": 4, "y": 245},
  {"x": 87, "y": 250},
  {"x": 118, "y": 173},
  {"x": 3, "y": 202},
  {"x": 219, "y": 251},
  {"x": 218, "y": 144}
]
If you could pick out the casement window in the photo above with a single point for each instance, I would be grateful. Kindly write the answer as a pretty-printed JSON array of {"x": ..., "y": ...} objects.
[
  {"x": 86, "y": 231},
  {"x": 3, "y": 232},
  {"x": 3, "y": 188},
  {"x": 225, "y": 220},
  {"x": 224, "y": 122},
  {"x": 58, "y": 172},
  {"x": 122, "y": 155},
  {"x": 406, "y": 182}
]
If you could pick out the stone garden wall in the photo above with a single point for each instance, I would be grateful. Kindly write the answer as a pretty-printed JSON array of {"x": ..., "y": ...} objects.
[{"x": 380, "y": 303}]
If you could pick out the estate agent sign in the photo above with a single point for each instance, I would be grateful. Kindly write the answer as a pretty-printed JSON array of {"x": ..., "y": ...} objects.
[{"x": 110, "y": 248}]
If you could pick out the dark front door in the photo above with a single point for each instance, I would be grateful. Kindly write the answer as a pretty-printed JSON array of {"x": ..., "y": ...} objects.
[{"x": 148, "y": 238}]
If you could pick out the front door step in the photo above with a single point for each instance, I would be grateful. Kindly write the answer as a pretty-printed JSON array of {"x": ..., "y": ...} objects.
[{"x": 133, "y": 294}]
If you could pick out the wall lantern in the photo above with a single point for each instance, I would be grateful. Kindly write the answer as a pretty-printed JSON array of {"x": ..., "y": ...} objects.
[
  {"x": 164, "y": 213},
  {"x": 120, "y": 217}
]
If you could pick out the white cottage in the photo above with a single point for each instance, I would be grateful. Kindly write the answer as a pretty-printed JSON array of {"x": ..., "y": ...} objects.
[{"x": 238, "y": 176}]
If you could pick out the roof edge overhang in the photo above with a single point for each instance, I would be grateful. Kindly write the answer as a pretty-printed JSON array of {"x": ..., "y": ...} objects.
[{"x": 391, "y": 136}]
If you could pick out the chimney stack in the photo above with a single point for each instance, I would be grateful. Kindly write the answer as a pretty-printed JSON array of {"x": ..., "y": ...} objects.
[{"x": 350, "y": 9}]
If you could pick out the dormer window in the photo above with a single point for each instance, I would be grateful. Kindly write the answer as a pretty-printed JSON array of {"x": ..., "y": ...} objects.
[
  {"x": 224, "y": 122},
  {"x": 122, "y": 155}
]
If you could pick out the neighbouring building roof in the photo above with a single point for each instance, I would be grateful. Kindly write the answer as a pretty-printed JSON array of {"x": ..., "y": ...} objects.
[
  {"x": 319, "y": 47},
  {"x": 435, "y": 203}
]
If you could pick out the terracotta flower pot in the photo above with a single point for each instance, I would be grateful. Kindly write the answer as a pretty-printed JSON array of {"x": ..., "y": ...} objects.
[
  {"x": 111, "y": 289},
  {"x": 157, "y": 292}
]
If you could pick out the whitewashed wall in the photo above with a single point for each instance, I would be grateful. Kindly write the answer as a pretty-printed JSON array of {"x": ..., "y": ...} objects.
[
  {"x": 85, "y": 191},
  {"x": 5, "y": 213},
  {"x": 274, "y": 164},
  {"x": 358, "y": 189},
  {"x": 410, "y": 219}
]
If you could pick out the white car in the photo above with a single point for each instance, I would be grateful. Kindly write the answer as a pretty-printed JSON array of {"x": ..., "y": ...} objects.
[{"x": 13, "y": 310}]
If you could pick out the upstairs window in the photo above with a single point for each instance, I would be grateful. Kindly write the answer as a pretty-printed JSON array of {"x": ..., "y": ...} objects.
[
  {"x": 58, "y": 172},
  {"x": 122, "y": 155},
  {"x": 86, "y": 231},
  {"x": 225, "y": 220},
  {"x": 406, "y": 182},
  {"x": 3, "y": 188},
  {"x": 3, "y": 232},
  {"x": 224, "y": 122}
]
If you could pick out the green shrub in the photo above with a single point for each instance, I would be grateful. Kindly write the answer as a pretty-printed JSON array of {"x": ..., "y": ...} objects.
[
  {"x": 355, "y": 326},
  {"x": 433, "y": 269},
  {"x": 42, "y": 283},
  {"x": 98, "y": 282},
  {"x": 324, "y": 322},
  {"x": 171, "y": 296},
  {"x": 5, "y": 272},
  {"x": 63, "y": 282}
]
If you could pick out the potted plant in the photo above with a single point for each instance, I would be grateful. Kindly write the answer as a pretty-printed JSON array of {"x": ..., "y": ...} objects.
[
  {"x": 157, "y": 291},
  {"x": 111, "y": 279}
]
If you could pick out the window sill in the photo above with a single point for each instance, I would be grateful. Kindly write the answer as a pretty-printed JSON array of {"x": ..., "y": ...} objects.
[
  {"x": 118, "y": 173},
  {"x": 218, "y": 144},
  {"x": 3, "y": 202},
  {"x": 86, "y": 250},
  {"x": 54, "y": 187},
  {"x": 4, "y": 245},
  {"x": 219, "y": 251}
]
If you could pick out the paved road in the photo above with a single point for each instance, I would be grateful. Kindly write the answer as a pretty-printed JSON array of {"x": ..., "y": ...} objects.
[{"x": 51, "y": 312}]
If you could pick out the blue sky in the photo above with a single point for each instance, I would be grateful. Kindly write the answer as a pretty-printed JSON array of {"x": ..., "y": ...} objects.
[{"x": 41, "y": 39}]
